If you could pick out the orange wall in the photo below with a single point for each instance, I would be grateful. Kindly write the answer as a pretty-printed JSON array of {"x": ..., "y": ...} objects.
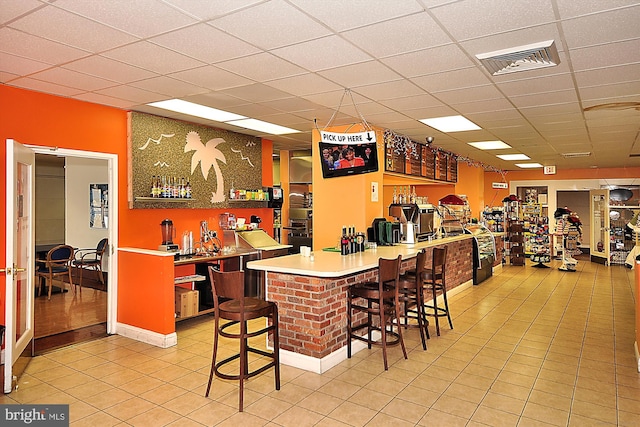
[{"x": 38, "y": 119}]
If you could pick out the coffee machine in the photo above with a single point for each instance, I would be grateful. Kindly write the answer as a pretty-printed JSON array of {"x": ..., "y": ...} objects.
[
  {"x": 168, "y": 233},
  {"x": 407, "y": 215}
]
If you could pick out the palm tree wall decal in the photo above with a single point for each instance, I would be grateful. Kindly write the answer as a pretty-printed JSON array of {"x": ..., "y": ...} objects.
[{"x": 208, "y": 155}]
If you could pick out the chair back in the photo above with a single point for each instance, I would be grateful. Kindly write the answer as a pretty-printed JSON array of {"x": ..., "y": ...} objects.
[
  {"x": 389, "y": 271},
  {"x": 59, "y": 257},
  {"x": 421, "y": 261},
  {"x": 102, "y": 247},
  {"x": 226, "y": 285},
  {"x": 439, "y": 262}
]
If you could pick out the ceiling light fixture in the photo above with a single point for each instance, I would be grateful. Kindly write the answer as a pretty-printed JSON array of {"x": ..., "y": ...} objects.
[
  {"x": 489, "y": 145},
  {"x": 450, "y": 124},
  {"x": 197, "y": 110},
  {"x": 260, "y": 126},
  {"x": 521, "y": 58},
  {"x": 528, "y": 165},
  {"x": 572, "y": 155},
  {"x": 513, "y": 156}
]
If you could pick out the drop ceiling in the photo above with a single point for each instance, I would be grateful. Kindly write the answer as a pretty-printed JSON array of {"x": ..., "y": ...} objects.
[{"x": 289, "y": 62}]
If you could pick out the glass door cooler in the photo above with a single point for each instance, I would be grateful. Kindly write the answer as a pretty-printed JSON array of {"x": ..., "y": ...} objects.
[{"x": 484, "y": 252}]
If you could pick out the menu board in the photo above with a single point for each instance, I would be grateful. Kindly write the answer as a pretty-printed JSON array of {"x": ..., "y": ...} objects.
[
  {"x": 428, "y": 161},
  {"x": 416, "y": 161},
  {"x": 452, "y": 169},
  {"x": 394, "y": 162},
  {"x": 441, "y": 165}
]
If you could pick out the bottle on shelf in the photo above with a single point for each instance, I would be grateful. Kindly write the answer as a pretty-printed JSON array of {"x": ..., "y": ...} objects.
[
  {"x": 344, "y": 242},
  {"x": 176, "y": 188},
  {"x": 395, "y": 195},
  {"x": 153, "y": 186},
  {"x": 352, "y": 240},
  {"x": 187, "y": 190}
]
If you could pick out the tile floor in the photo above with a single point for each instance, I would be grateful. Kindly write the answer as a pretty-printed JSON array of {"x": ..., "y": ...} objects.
[{"x": 531, "y": 347}]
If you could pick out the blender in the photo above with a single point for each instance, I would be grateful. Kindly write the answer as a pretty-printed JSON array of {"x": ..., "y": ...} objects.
[{"x": 168, "y": 233}]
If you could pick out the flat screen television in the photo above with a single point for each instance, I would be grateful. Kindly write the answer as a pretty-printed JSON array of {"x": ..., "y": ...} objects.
[{"x": 348, "y": 159}]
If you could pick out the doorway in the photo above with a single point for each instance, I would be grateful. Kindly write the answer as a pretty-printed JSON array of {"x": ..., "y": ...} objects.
[{"x": 69, "y": 210}]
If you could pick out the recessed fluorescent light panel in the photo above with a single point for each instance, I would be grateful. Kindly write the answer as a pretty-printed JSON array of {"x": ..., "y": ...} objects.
[
  {"x": 528, "y": 165},
  {"x": 489, "y": 145},
  {"x": 513, "y": 156},
  {"x": 261, "y": 126},
  {"x": 450, "y": 124},
  {"x": 197, "y": 110}
]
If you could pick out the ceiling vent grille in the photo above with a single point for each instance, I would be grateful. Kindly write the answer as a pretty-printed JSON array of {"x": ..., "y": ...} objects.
[
  {"x": 572, "y": 155},
  {"x": 521, "y": 58}
]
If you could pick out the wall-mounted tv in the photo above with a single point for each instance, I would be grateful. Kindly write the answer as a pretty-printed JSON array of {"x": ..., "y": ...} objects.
[{"x": 348, "y": 159}]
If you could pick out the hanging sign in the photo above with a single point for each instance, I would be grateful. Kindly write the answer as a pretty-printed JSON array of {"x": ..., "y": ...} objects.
[
  {"x": 348, "y": 138},
  {"x": 499, "y": 185}
]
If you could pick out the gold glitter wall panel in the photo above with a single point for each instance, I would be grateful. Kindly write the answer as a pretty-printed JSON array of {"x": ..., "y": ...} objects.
[{"x": 200, "y": 164}]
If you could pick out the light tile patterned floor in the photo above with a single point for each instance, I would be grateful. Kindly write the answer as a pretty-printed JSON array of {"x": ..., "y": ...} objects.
[{"x": 531, "y": 347}]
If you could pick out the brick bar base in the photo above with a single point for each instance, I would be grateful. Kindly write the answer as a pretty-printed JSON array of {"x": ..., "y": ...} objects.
[{"x": 312, "y": 309}]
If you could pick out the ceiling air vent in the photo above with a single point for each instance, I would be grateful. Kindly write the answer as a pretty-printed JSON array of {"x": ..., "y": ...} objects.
[
  {"x": 521, "y": 58},
  {"x": 572, "y": 155}
]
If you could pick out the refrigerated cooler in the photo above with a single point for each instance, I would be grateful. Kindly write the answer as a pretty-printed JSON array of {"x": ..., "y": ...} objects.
[{"x": 484, "y": 252}]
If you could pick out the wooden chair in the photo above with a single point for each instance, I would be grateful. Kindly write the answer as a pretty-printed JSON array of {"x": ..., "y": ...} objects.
[
  {"x": 411, "y": 295},
  {"x": 378, "y": 299},
  {"x": 231, "y": 304},
  {"x": 91, "y": 259},
  {"x": 434, "y": 279},
  {"x": 56, "y": 264}
]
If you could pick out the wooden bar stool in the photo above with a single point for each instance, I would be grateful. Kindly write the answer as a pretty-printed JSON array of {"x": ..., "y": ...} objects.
[
  {"x": 231, "y": 304},
  {"x": 381, "y": 300},
  {"x": 434, "y": 279},
  {"x": 411, "y": 294}
]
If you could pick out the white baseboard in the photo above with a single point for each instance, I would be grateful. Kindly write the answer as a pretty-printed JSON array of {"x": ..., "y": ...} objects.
[
  {"x": 149, "y": 337},
  {"x": 635, "y": 347},
  {"x": 319, "y": 366}
]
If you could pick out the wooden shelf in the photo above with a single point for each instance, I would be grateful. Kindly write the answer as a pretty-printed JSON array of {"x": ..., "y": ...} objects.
[{"x": 163, "y": 199}]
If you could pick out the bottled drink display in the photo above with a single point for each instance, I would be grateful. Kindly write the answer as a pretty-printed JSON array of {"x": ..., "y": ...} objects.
[
  {"x": 344, "y": 242},
  {"x": 170, "y": 188}
]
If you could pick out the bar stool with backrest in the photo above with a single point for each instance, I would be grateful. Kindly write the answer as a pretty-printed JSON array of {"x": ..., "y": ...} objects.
[
  {"x": 231, "y": 305},
  {"x": 411, "y": 295},
  {"x": 435, "y": 280},
  {"x": 380, "y": 299}
]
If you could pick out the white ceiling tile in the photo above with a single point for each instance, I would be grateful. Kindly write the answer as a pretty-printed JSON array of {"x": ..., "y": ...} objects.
[
  {"x": 216, "y": 100},
  {"x": 73, "y": 79},
  {"x": 549, "y": 98},
  {"x": 602, "y": 28},
  {"x": 153, "y": 58},
  {"x": 476, "y": 93},
  {"x": 512, "y": 39},
  {"x": 322, "y": 54},
  {"x": 142, "y": 18},
  {"x": 271, "y": 25},
  {"x": 572, "y": 8},
  {"x": 401, "y": 35},
  {"x": 545, "y": 110},
  {"x": 109, "y": 69},
  {"x": 482, "y": 106},
  {"x": 48, "y": 87},
  {"x": 7, "y": 77},
  {"x": 463, "y": 20},
  {"x": 209, "y": 9},
  {"x": 429, "y": 61},
  {"x": 49, "y": 21},
  {"x": 11, "y": 9},
  {"x": 304, "y": 84},
  {"x": 388, "y": 90},
  {"x": 343, "y": 15},
  {"x": 36, "y": 48},
  {"x": 460, "y": 79},
  {"x": 430, "y": 112},
  {"x": 361, "y": 74},
  {"x": 291, "y": 105},
  {"x": 618, "y": 74},
  {"x": 620, "y": 53},
  {"x": 543, "y": 84},
  {"x": 261, "y": 67},
  {"x": 20, "y": 66},
  {"x": 211, "y": 77},
  {"x": 205, "y": 43},
  {"x": 256, "y": 93},
  {"x": 411, "y": 102},
  {"x": 615, "y": 91},
  {"x": 128, "y": 93},
  {"x": 97, "y": 98},
  {"x": 254, "y": 110},
  {"x": 173, "y": 88}
]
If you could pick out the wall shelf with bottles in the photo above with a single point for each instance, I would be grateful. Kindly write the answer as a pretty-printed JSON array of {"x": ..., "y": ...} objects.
[{"x": 163, "y": 199}]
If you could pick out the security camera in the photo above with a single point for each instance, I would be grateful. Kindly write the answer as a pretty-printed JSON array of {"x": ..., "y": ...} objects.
[{"x": 429, "y": 140}]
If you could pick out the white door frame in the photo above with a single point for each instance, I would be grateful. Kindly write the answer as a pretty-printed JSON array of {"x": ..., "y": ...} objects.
[{"x": 112, "y": 264}]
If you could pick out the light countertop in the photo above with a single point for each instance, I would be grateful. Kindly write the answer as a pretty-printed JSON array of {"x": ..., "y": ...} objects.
[{"x": 333, "y": 264}]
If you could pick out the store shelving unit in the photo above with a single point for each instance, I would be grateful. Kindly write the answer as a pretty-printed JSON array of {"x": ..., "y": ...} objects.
[
  {"x": 536, "y": 234},
  {"x": 514, "y": 243}
]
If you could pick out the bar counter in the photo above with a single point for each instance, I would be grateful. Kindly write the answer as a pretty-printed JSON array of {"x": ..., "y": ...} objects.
[{"x": 311, "y": 294}]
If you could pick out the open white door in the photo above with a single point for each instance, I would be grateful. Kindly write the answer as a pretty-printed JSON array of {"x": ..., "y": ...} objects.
[
  {"x": 19, "y": 264},
  {"x": 599, "y": 240}
]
